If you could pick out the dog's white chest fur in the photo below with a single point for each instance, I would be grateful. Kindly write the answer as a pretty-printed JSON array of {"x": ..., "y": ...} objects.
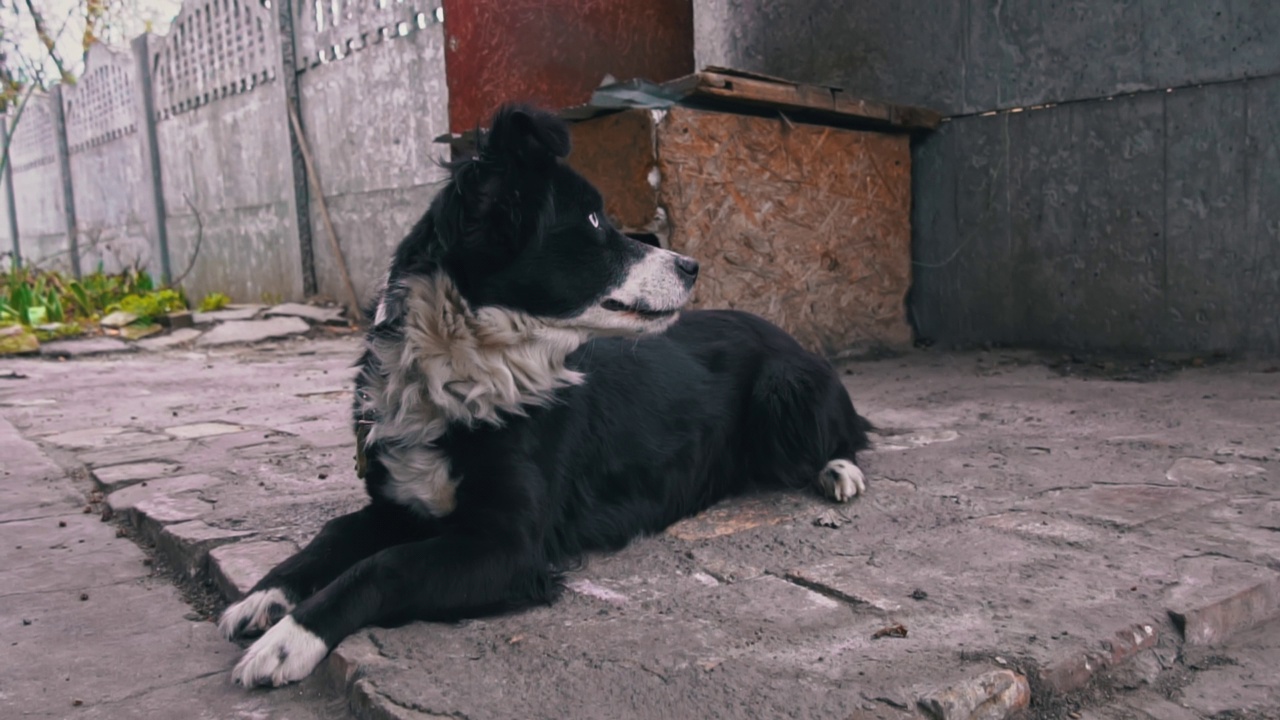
[
  {"x": 420, "y": 479},
  {"x": 452, "y": 364}
]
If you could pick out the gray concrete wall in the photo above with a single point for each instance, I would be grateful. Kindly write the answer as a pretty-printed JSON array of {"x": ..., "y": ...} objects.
[
  {"x": 37, "y": 182},
  {"x": 226, "y": 168},
  {"x": 108, "y": 172},
  {"x": 1122, "y": 216},
  {"x": 972, "y": 56},
  {"x": 1147, "y": 222},
  {"x": 371, "y": 113},
  {"x": 228, "y": 186},
  {"x": 372, "y": 98}
]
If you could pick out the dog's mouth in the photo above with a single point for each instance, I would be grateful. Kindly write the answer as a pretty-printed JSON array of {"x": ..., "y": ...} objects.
[{"x": 644, "y": 312}]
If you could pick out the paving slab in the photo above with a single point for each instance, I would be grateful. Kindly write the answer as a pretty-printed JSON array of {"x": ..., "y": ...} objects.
[
  {"x": 858, "y": 584},
  {"x": 1213, "y": 475},
  {"x": 170, "y": 452},
  {"x": 318, "y": 315},
  {"x": 114, "y": 477},
  {"x": 105, "y": 437},
  {"x": 126, "y": 501},
  {"x": 1217, "y": 597},
  {"x": 1237, "y": 681},
  {"x": 186, "y": 545},
  {"x": 85, "y": 347},
  {"x": 202, "y": 430},
  {"x": 151, "y": 516},
  {"x": 1043, "y": 526},
  {"x": 178, "y": 337},
  {"x": 237, "y": 568},
  {"x": 249, "y": 331},
  {"x": 1130, "y": 505},
  {"x": 231, "y": 313}
]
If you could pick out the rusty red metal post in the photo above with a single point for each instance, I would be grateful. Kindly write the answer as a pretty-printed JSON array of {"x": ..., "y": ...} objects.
[{"x": 555, "y": 52}]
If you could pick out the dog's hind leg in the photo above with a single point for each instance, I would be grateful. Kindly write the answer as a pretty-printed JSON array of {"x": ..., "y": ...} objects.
[
  {"x": 342, "y": 542},
  {"x": 846, "y": 432},
  {"x": 444, "y": 578},
  {"x": 842, "y": 480},
  {"x": 804, "y": 429}
]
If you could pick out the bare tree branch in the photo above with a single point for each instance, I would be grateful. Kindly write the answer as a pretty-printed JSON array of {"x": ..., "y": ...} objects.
[
  {"x": 9, "y": 129},
  {"x": 50, "y": 42},
  {"x": 37, "y": 82},
  {"x": 195, "y": 252}
]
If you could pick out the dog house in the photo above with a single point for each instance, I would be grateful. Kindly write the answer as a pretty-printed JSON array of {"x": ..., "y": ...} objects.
[{"x": 795, "y": 199}]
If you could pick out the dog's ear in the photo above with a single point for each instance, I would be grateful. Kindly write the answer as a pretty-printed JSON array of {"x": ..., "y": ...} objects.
[
  {"x": 521, "y": 135},
  {"x": 506, "y": 192}
]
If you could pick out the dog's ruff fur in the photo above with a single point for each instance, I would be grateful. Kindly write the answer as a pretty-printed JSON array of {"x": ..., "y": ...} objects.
[
  {"x": 529, "y": 392},
  {"x": 454, "y": 364}
]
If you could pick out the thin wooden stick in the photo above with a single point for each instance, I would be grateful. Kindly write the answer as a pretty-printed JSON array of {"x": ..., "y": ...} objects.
[{"x": 318, "y": 192}]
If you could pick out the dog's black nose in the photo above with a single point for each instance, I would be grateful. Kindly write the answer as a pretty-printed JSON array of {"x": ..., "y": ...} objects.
[{"x": 688, "y": 268}]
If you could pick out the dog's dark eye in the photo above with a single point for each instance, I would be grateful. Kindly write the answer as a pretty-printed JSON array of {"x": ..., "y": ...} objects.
[{"x": 594, "y": 219}]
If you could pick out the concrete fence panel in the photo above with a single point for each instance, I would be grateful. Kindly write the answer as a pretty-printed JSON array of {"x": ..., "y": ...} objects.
[
  {"x": 373, "y": 97},
  {"x": 223, "y": 142},
  {"x": 109, "y": 176},
  {"x": 39, "y": 205}
]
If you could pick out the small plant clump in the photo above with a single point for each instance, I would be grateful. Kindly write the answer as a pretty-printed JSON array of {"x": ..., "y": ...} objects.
[
  {"x": 50, "y": 305},
  {"x": 151, "y": 305},
  {"x": 213, "y": 302}
]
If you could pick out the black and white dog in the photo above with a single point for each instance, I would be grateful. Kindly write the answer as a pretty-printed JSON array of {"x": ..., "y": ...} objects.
[{"x": 528, "y": 392}]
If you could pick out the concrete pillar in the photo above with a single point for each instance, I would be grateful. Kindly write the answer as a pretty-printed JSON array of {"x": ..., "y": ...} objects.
[
  {"x": 64, "y": 172},
  {"x": 146, "y": 114},
  {"x": 11, "y": 201},
  {"x": 301, "y": 190}
]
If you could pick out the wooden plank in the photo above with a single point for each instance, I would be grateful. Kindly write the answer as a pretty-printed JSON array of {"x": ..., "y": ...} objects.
[
  {"x": 781, "y": 94},
  {"x": 760, "y": 91}
]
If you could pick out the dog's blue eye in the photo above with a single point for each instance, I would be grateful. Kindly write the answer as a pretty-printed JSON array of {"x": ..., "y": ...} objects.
[{"x": 595, "y": 220}]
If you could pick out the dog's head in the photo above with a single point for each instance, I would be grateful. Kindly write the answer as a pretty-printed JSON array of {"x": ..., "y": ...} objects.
[{"x": 516, "y": 228}]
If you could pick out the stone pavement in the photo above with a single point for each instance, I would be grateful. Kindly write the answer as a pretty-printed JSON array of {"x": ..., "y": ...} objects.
[
  {"x": 91, "y": 631},
  {"x": 1090, "y": 547}
]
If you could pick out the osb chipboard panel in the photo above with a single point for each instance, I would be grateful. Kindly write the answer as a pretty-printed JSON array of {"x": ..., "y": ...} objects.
[
  {"x": 616, "y": 153},
  {"x": 807, "y": 226}
]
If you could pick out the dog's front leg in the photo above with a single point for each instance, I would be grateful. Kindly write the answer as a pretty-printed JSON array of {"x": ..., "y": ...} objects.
[
  {"x": 444, "y": 578},
  {"x": 342, "y": 542}
]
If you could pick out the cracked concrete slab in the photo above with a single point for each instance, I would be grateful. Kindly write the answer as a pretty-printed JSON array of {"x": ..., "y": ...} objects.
[
  {"x": 114, "y": 477},
  {"x": 235, "y": 568},
  {"x": 315, "y": 314},
  {"x": 231, "y": 313},
  {"x": 176, "y": 338},
  {"x": 202, "y": 430},
  {"x": 84, "y": 348},
  {"x": 249, "y": 331}
]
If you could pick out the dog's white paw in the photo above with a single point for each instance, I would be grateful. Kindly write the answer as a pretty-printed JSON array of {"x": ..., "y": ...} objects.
[
  {"x": 842, "y": 481},
  {"x": 255, "y": 613},
  {"x": 287, "y": 653}
]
